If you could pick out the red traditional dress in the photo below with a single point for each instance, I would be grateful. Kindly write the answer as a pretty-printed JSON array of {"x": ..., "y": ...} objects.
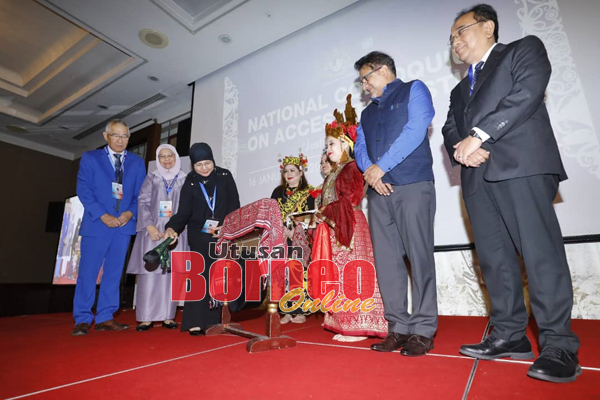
[{"x": 350, "y": 240}]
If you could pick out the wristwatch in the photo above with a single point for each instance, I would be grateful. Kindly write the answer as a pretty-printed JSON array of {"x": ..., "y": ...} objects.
[{"x": 475, "y": 134}]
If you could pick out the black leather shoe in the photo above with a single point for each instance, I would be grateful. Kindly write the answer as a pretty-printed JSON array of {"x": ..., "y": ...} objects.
[
  {"x": 196, "y": 332},
  {"x": 416, "y": 346},
  {"x": 144, "y": 327},
  {"x": 80, "y": 329},
  {"x": 555, "y": 365},
  {"x": 393, "y": 341},
  {"x": 170, "y": 325},
  {"x": 492, "y": 348}
]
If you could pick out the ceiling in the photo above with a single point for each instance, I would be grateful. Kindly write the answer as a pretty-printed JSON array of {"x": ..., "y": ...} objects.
[{"x": 67, "y": 66}]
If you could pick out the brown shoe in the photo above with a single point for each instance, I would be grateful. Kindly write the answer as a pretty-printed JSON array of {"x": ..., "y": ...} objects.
[
  {"x": 393, "y": 341},
  {"x": 110, "y": 325},
  {"x": 80, "y": 329},
  {"x": 417, "y": 346}
]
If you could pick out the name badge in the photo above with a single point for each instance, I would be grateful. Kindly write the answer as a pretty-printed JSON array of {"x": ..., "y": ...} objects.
[
  {"x": 165, "y": 209},
  {"x": 209, "y": 226},
  {"x": 117, "y": 191}
]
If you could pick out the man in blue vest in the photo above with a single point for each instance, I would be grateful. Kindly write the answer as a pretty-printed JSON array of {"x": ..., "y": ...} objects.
[
  {"x": 392, "y": 149},
  {"x": 108, "y": 184}
]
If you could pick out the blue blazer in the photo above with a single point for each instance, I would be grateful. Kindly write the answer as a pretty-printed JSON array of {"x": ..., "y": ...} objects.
[{"x": 94, "y": 188}]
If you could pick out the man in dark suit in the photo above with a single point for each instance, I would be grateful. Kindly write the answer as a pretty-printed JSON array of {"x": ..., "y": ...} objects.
[
  {"x": 498, "y": 129},
  {"x": 108, "y": 184}
]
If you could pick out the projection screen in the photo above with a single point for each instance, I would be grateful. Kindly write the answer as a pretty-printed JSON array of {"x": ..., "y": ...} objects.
[{"x": 276, "y": 101}]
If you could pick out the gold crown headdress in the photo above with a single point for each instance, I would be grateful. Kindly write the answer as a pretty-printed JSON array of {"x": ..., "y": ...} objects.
[
  {"x": 344, "y": 129},
  {"x": 301, "y": 162}
]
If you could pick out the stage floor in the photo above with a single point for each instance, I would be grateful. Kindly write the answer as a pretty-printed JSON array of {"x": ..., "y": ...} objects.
[{"x": 42, "y": 360}]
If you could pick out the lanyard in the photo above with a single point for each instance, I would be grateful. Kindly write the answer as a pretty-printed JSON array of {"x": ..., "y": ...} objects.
[
  {"x": 472, "y": 76},
  {"x": 214, "y": 199},
  {"x": 111, "y": 158},
  {"x": 168, "y": 187}
]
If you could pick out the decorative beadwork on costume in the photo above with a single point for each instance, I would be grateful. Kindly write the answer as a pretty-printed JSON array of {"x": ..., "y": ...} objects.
[
  {"x": 301, "y": 162},
  {"x": 295, "y": 202}
]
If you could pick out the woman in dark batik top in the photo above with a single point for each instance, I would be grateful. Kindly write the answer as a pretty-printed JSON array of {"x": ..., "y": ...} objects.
[{"x": 294, "y": 195}]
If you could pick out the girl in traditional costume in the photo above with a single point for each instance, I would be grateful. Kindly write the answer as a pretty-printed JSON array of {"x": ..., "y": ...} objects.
[{"x": 349, "y": 235}]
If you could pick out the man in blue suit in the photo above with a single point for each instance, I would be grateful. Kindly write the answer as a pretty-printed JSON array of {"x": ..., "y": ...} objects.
[{"x": 108, "y": 184}]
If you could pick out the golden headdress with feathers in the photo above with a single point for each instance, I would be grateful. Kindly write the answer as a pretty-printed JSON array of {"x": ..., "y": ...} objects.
[{"x": 344, "y": 129}]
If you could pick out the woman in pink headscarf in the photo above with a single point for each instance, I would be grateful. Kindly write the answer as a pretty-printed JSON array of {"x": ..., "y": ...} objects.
[{"x": 157, "y": 202}]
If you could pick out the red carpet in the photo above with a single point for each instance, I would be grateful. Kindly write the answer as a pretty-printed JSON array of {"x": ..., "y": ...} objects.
[{"x": 41, "y": 360}]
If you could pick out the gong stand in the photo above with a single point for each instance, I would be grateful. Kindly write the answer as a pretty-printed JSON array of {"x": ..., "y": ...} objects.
[{"x": 271, "y": 340}]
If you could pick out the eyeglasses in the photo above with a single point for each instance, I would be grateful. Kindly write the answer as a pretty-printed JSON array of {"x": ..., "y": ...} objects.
[
  {"x": 461, "y": 32},
  {"x": 365, "y": 79},
  {"x": 203, "y": 164},
  {"x": 164, "y": 157},
  {"x": 116, "y": 136}
]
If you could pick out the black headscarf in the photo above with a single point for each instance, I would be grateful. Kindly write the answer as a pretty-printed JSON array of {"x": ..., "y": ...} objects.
[{"x": 203, "y": 152}]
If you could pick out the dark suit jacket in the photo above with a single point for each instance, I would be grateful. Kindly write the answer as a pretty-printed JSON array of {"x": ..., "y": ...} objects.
[
  {"x": 94, "y": 188},
  {"x": 508, "y": 104}
]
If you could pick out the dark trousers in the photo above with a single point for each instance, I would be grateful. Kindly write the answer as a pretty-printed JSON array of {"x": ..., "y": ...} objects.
[
  {"x": 198, "y": 313},
  {"x": 402, "y": 225},
  {"x": 518, "y": 215}
]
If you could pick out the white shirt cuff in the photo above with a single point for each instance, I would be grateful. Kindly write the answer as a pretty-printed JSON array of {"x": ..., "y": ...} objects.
[{"x": 484, "y": 136}]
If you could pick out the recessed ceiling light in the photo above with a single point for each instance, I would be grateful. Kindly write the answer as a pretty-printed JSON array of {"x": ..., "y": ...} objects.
[
  {"x": 16, "y": 129},
  {"x": 153, "y": 38},
  {"x": 225, "y": 39},
  {"x": 153, "y": 78}
]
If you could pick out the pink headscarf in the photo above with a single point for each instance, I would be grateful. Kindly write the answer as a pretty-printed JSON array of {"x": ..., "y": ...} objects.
[{"x": 168, "y": 174}]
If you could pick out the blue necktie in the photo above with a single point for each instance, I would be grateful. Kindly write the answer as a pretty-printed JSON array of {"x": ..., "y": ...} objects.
[
  {"x": 118, "y": 176},
  {"x": 478, "y": 69},
  {"x": 118, "y": 170}
]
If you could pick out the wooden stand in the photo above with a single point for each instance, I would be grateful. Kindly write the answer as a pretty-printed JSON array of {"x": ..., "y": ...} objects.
[{"x": 270, "y": 341}]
